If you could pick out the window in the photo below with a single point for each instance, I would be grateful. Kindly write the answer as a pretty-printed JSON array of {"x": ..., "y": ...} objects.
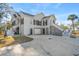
[
  {"x": 22, "y": 21},
  {"x": 37, "y": 22},
  {"x": 40, "y": 22},
  {"x": 44, "y": 22},
  {"x": 13, "y": 23},
  {"x": 15, "y": 15},
  {"x": 54, "y": 21},
  {"x": 33, "y": 22}
]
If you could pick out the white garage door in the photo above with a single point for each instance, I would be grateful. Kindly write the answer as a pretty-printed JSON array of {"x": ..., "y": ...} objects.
[{"x": 37, "y": 31}]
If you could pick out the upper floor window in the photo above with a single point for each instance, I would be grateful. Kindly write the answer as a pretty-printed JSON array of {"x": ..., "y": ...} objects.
[
  {"x": 33, "y": 22},
  {"x": 37, "y": 22},
  {"x": 22, "y": 21},
  {"x": 13, "y": 23},
  {"x": 44, "y": 22},
  {"x": 15, "y": 15}
]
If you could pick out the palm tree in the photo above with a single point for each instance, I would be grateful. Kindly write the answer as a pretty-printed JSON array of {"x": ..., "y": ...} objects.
[{"x": 72, "y": 17}]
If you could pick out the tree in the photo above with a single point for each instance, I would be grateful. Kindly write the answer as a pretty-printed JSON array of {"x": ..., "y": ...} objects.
[
  {"x": 9, "y": 25},
  {"x": 72, "y": 17},
  {"x": 5, "y": 11},
  {"x": 63, "y": 26},
  {"x": 1, "y": 16},
  {"x": 77, "y": 23}
]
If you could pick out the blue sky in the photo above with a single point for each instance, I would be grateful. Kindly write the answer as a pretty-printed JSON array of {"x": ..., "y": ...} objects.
[{"x": 60, "y": 10}]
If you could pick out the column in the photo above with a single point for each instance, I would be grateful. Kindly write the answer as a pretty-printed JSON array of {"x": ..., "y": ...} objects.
[
  {"x": 49, "y": 31},
  {"x": 32, "y": 31},
  {"x": 45, "y": 31}
]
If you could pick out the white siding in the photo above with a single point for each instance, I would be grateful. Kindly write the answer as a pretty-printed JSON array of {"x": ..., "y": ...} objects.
[
  {"x": 27, "y": 24},
  {"x": 22, "y": 29}
]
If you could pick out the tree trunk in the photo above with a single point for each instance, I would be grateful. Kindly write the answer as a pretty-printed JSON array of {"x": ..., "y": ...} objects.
[{"x": 73, "y": 26}]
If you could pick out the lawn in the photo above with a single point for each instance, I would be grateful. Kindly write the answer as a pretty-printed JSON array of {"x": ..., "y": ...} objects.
[
  {"x": 22, "y": 39},
  {"x": 11, "y": 40}
]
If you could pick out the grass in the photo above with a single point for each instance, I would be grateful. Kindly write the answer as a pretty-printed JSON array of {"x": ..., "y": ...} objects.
[
  {"x": 12, "y": 40},
  {"x": 22, "y": 39}
]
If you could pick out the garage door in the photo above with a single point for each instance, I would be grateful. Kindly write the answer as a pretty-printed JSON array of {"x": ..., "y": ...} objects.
[{"x": 37, "y": 31}]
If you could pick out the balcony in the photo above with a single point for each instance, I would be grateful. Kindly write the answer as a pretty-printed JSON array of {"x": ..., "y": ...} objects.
[{"x": 40, "y": 23}]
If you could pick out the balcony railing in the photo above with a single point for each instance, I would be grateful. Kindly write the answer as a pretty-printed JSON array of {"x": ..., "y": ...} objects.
[{"x": 40, "y": 23}]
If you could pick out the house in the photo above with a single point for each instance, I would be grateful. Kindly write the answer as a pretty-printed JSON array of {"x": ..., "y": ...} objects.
[{"x": 38, "y": 24}]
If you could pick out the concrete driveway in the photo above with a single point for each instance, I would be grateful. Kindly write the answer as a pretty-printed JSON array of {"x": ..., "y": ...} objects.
[{"x": 44, "y": 45}]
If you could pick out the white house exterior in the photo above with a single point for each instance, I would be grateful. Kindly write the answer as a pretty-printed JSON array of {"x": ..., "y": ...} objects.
[{"x": 38, "y": 24}]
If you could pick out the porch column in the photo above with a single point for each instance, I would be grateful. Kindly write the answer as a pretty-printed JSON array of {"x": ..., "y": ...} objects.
[
  {"x": 49, "y": 31},
  {"x": 42, "y": 22},
  {"x": 45, "y": 31},
  {"x": 33, "y": 31}
]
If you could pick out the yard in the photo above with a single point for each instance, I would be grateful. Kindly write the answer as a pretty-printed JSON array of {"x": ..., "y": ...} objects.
[{"x": 9, "y": 40}]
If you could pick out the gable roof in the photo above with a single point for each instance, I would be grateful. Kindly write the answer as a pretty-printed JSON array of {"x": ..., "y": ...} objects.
[
  {"x": 48, "y": 16},
  {"x": 26, "y": 13},
  {"x": 39, "y": 16}
]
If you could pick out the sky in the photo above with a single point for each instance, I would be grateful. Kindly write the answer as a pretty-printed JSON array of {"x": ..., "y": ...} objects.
[{"x": 60, "y": 10}]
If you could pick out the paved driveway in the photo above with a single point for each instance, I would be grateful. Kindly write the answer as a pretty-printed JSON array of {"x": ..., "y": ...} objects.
[{"x": 44, "y": 45}]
